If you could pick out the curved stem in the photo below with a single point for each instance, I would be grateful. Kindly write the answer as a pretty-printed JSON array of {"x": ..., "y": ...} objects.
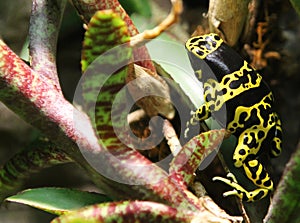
[{"x": 45, "y": 20}]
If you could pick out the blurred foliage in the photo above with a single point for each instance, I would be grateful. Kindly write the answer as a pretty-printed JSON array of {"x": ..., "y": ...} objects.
[
  {"x": 137, "y": 6},
  {"x": 296, "y": 5}
]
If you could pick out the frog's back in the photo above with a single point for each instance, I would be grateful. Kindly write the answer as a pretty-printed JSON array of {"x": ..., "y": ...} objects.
[{"x": 231, "y": 85}]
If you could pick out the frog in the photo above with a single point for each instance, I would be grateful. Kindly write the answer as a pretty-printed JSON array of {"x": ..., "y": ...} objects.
[{"x": 237, "y": 97}]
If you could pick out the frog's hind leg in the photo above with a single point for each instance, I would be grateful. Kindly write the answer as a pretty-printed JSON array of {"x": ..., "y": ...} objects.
[
  {"x": 277, "y": 140},
  {"x": 249, "y": 143},
  {"x": 258, "y": 175}
]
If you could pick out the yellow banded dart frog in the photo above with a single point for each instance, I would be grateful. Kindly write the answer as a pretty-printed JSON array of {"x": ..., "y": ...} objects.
[{"x": 240, "y": 101}]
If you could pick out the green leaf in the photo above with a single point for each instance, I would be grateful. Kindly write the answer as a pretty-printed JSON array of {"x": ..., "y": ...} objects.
[
  {"x": 57, "y": 200},
  {"x": 286, "y": 200},
  {"x": 296, "y": 5},
  {"x": 137, "y": 6}
]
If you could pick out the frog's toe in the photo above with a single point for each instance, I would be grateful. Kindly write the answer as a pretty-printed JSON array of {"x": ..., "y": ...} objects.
[
  {"x": 231, "y": 177},
  {"x": 238, "y": 190},
  {"x": 242, "y": 193},
  {"x": 232, "y": 193}
]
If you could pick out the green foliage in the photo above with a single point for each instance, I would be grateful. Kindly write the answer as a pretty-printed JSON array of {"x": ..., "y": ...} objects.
[
  {"x": 286, "y": 201},
  {"x": 105, "y": 30},
  {"x": 57, "y": 200},
  {"x": 296, "y": 5}
]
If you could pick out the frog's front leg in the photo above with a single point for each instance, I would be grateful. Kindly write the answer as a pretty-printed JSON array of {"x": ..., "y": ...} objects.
[{"x": 201, "y": 114}]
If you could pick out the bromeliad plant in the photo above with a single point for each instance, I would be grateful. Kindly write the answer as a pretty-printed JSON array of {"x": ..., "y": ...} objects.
[
  {"x": 34, "y": 93},
  {"x": 143, "y": 191}
]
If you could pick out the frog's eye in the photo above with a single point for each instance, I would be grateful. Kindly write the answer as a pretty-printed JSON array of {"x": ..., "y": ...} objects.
[{"x": 214, "y": 37}]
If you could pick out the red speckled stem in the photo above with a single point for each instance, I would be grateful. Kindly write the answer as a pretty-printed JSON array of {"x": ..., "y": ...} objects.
[
  {"x": 185, "y": 164},
  {"x": 35, "y": 99},
  {"x": 127, "y": 211},
  {"x": 45, "y": 20}
]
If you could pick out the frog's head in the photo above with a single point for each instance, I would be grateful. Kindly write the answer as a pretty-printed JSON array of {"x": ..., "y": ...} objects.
[
  {"x": 212, "y": 56},
  {"x": 201, "y": 46}
]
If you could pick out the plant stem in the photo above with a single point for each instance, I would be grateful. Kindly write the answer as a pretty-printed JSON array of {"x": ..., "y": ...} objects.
[{"x": 45, "y": 20}]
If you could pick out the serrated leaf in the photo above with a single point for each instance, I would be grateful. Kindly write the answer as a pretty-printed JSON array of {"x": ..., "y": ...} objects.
[{"x": 57, "y": 201}]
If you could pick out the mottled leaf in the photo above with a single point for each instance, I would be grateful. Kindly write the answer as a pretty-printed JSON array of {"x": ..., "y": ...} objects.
[
  {"x": 105, "y": 30},
  {"x": 39, "y": 155},
  {"x": 286, "y": 201},
  {"x": 126, "y": 211},
  {"x": 88, "y": 8},
  {"x": 184, "y": 165}
]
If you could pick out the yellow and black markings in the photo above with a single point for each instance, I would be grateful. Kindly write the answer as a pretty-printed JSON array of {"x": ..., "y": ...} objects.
[{"x": 230, "y": 84}]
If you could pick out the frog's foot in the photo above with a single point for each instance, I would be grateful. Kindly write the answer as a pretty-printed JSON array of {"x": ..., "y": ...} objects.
[{"x": 241, "y": 192}]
